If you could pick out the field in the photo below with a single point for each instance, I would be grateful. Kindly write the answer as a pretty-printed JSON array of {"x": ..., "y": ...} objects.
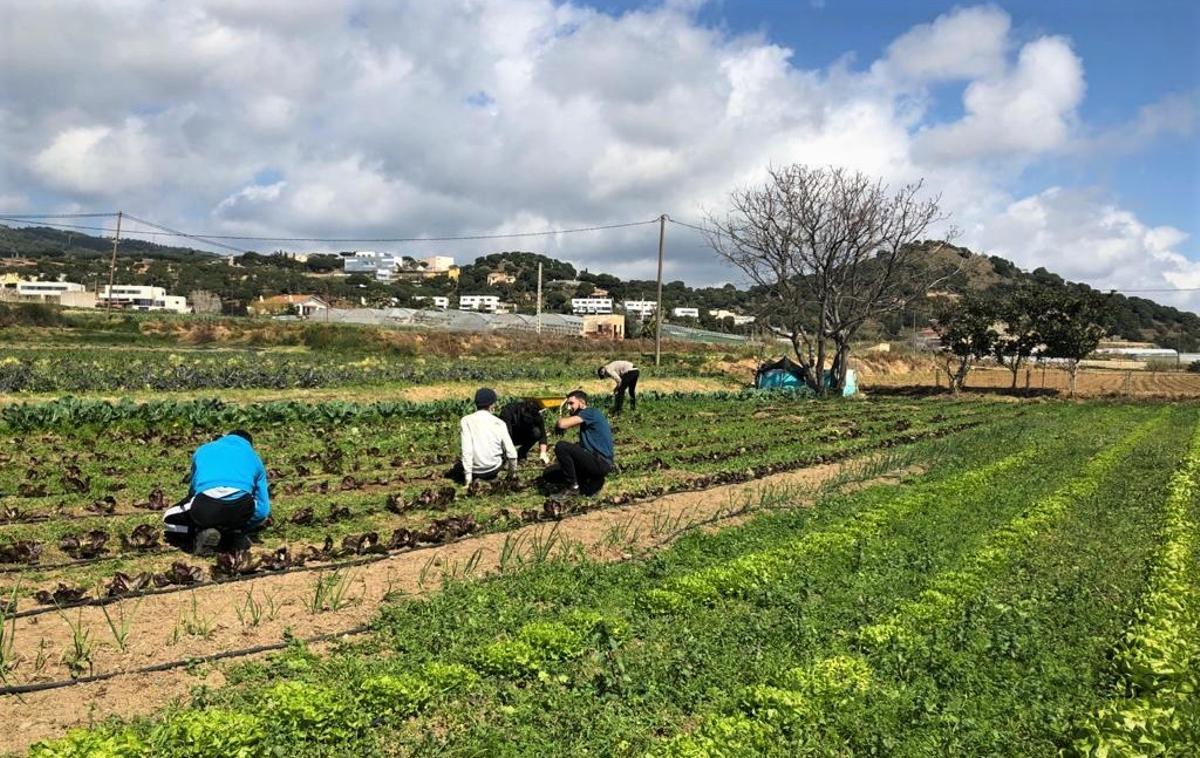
[
  {"x": 1090, "y": 382},
  {"x": 765, "y": 575}
]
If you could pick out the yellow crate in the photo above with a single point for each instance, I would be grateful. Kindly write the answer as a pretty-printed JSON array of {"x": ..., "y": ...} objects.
[{"x": 550, "y": 403}]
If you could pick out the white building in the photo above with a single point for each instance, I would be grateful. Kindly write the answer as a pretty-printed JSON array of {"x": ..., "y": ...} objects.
[
  {"x": 499, "y": 277},
  {"x": 685, "y": 313},
  {"x": 361, "y": 262},
  {"x": 438, "y": 263},
  {"x": 175, "y": 304},
  {"x": 137, "y": 297},
  {"x": 485, "y": 303},
  {"x": 738, "y": 319},
  {"x": 641, "y": 308},
  {"x": 591, "y": 306},
  {"x": 439, "y": 302},
  {"x": 43, "y": 290},
  {"x": 382, "y": 265}
]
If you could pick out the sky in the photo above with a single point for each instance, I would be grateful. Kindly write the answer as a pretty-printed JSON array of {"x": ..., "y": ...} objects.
[{"x": 1058, "y": 134}]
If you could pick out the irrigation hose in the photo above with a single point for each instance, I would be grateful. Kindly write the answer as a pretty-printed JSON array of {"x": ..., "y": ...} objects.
[{"x": 24, "y": 689}]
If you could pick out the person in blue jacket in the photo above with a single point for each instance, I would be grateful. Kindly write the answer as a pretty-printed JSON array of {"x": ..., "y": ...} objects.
[{"x": 227, "y": 501}]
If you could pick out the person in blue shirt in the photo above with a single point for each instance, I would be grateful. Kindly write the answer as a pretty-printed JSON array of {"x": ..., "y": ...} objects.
[
  {"x": 585, "y": 465},
  {"x": 228, "y": 499}
]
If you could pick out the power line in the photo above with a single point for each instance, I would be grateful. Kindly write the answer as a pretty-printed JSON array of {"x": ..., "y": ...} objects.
[
  {"x": 700, "y": 229},
  {"x": 84, "y": 227},
  {"x": 449, "y": 238},
  {"x": 64, "y": 215},
  {"x": 169, "y": 230},
  {"x": 165, "y": 231}
]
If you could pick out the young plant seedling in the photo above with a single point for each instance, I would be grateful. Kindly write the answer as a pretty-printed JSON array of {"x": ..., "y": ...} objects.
[
  {"x": 120, "y": 627},
  {"x": 78, "y": 658}
]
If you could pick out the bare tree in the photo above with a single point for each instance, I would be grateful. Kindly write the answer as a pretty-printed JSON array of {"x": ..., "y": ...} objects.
[{"x": 830, "y": 248}]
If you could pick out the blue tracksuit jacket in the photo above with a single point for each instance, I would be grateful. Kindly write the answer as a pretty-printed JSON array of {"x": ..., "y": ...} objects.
[{"x": 231, "y": 462}]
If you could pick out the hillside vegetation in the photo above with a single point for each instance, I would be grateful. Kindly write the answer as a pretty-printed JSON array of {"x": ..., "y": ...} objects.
[{"x": 74, "y": 256}]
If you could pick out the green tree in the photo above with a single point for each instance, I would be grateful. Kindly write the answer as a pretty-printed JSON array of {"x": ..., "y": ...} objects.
[
  {"x": 1072, "y": 324},
  {"x": 967, "y": 334},
  {"x": 1019, "y": 315}
]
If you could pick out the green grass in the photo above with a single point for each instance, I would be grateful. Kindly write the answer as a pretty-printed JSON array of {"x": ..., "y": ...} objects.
[{"x": 971, "y": 610}]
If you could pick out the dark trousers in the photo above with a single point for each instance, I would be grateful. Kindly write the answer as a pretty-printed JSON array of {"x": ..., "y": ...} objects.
[
  {"x": 192, "y": 514},
  {"x": 581, "y": 467},
  {"x": 458, "y": 474},
  {"x": 527, "y": 443},
  {"x": 628, "y": 383}
]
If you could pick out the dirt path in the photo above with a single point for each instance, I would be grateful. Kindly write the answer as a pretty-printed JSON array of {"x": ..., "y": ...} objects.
[
  {"x": 384, "y": 392},
  {"x": 206, "y": 620}
]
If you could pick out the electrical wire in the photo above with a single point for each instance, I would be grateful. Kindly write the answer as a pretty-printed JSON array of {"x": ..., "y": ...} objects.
[
  {"x": 186, "y": 235},
  {"x": 211, "y": 239},
  {"x": 167, "y": 231},
  {"x": 700, "y": 229},
  {"x": 66, "y": 215}
]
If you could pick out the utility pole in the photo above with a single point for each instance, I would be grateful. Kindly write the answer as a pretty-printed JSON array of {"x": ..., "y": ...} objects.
[
  {"x": 112, "y": 268},
  {"x": 662, "y": 234},
  {"x": 539, "y": 299}
]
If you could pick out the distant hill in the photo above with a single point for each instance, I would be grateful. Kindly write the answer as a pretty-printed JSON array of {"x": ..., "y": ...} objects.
[{"x": 75, "y": 256}]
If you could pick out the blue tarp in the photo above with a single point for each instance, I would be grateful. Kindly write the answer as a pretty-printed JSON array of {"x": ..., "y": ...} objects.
[{"x": 784, "y": 374}]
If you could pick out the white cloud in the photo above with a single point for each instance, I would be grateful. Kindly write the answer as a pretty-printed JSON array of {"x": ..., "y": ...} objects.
[
  {"x": 376, "y": 118},
  {"x": 966, "y": 43},
  {"x": 1027, "y": 110},
  {"x": 1083, "y": 236},
  {"x": 98, "y": 160}
]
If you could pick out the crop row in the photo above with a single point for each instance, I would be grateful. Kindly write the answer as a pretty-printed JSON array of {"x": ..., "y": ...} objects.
[
  {"x": 655, "y": 448},
  {"x": 366, "y": 451},
  {"x": 1158, "y": 660},
  {"x": 529, "y": 679},
  {"x": 811, "y": 693},
  {"x": 72, "y": 413},
  {"x": 123, "y": 370},
  {"x": 751, "y": 572},
  {"x": 537, "y": 651},
  {"x": 449, "y": 527}
]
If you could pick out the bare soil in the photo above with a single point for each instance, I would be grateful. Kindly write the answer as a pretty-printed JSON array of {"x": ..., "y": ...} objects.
[
  {"x": 205, "y": 621},
  {"x": 1090, "y": 383}
]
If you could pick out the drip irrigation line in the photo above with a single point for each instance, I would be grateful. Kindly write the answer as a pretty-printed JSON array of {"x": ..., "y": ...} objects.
[
  {"x": 373, "y": 558},
  {"x": 83, "y": 561},
  {"x": 25, "y": 689}
]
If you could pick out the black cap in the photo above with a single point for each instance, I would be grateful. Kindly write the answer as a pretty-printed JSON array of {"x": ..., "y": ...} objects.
[{"x": 485, "y": 397}]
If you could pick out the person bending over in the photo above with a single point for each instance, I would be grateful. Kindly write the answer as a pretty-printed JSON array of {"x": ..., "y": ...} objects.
[
  {"x": 228, "y": 498},
  {"x": 584, "y": 465},
  {"x": 526, "y": 427},
  {"x": 625, "y": 378},
  {"x": 486, "y": 444}
]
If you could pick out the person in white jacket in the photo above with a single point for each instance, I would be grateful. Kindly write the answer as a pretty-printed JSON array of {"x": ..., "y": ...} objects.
[{"x": 487, "y": 446}]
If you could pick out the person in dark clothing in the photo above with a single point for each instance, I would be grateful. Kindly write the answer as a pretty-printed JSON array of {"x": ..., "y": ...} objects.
[
  {"x": 584, "y": 466},
  {"x": 526, "y": 427},
  {"x": 228, "y": 498},
  {"x": 625, "y": 378}
]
